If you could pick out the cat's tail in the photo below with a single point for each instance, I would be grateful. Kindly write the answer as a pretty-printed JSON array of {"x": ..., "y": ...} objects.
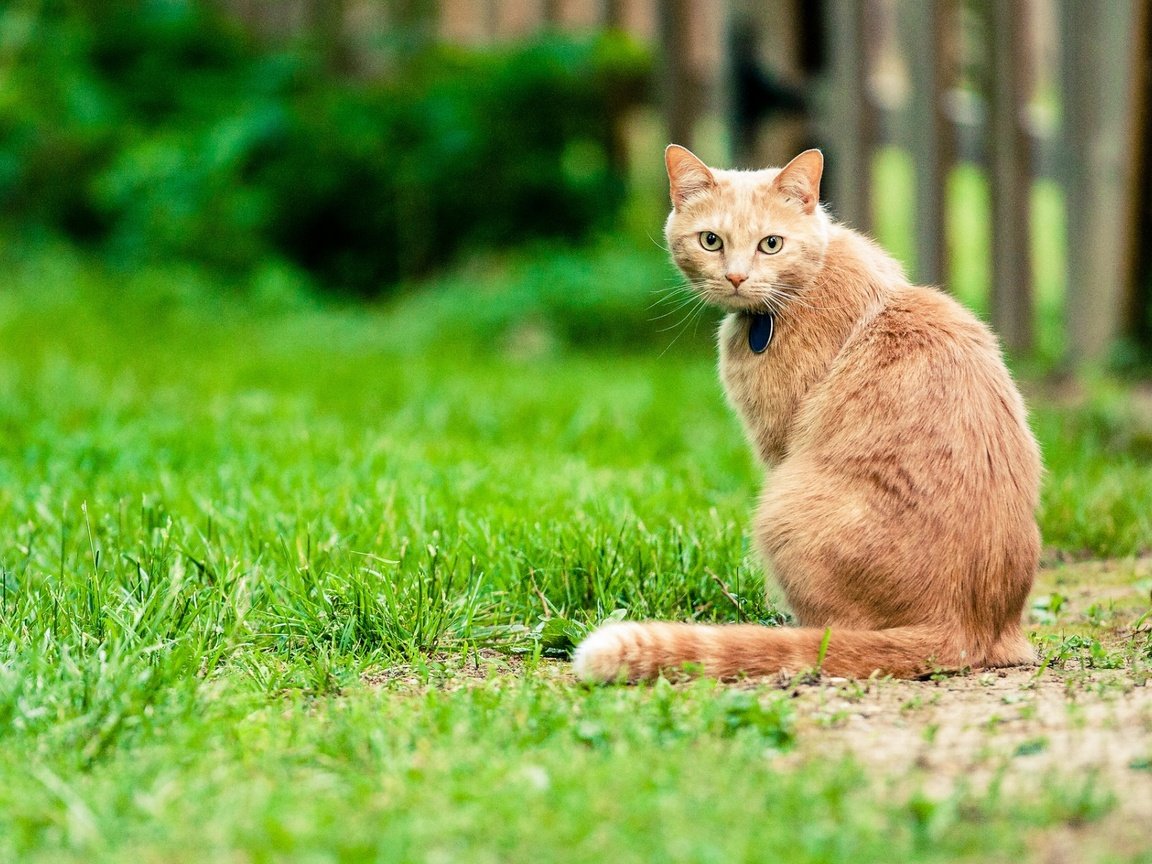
[{"x": 635, "y": 651}]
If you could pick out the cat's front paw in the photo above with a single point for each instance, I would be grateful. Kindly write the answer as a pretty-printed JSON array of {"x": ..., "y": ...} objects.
[{"x": 610, "y": 654}]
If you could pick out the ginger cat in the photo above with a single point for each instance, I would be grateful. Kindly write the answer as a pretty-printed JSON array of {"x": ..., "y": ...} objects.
[{"x": 898, "y": 512}]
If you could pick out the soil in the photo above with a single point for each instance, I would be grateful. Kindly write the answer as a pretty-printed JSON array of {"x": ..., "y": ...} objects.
[{"x": 1087, "y": 729}]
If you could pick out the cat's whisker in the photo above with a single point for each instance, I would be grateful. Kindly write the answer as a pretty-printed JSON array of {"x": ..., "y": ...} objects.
[
  {"x": 774, "y": 305},
  {"x": 679, "y": 298},
  {"x": 695, "y": 311},
  {"x": 791, "y": 296},
  {"x": 699, "y": 314},
  {"x": 674, "y": 309},
  {"x": 658, "y": 244},
  {"x": 681, "y": 295},
  {"x": 689, "y": 298},
  {"x": 687, "y": 318}
]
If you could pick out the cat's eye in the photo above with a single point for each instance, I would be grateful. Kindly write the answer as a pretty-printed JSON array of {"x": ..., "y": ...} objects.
[
  {"x": 710, "y": 241},
  {"x": 771, "y": 244}
]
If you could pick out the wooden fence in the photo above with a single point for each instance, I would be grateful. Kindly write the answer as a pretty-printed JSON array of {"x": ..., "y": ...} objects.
[{"x": 1098, "y": 151}]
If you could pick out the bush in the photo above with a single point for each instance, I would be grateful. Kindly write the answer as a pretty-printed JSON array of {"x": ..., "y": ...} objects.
[
  {"x": 160, "y": 130},
  {"x": 618, "y": 295}
]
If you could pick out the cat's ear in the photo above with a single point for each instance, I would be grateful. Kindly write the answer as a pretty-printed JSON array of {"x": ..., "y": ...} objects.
[
  {"x": 800, "y": 180},
  {"x": 687, "y": 175}
]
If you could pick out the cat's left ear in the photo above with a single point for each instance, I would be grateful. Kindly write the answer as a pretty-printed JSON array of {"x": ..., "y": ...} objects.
[{"x": 800, "y": 180}]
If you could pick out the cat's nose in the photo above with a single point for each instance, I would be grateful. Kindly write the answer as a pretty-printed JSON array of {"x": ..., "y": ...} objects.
[{"x": 735, "y": 278}]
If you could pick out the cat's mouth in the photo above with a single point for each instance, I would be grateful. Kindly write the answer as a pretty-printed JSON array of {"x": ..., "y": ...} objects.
[{"x": 738, "y": 300}]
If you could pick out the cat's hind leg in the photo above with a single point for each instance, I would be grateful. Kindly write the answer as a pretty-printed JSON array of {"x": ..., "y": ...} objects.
[{"x": 838, "y": 561}]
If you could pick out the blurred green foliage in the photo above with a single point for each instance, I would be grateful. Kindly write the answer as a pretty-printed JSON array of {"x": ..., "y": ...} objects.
[
  {"x": 616, "y": 295},
  {"x": 159, "y": 130}
]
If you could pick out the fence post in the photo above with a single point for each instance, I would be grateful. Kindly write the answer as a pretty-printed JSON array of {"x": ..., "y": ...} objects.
[
  {"x": 1137, "y": 314},
  {"x": 1095, "y": 156},
  {"x": 677, "y": 75},
  {"x": 931, "y": 69},
  {"x": 850, "y": 115},
  {"x": 1010, "y": 162}
]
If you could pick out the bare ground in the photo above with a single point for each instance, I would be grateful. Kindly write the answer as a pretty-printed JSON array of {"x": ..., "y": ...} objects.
[
  {"x": 1089, "y": 732},
  {"x": 1069, "y": 722}
]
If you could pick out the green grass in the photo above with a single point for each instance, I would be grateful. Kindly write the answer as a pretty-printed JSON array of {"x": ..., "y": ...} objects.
[
  {"x": 220, "y": 514},
  {"x": 528, "y": 771}
]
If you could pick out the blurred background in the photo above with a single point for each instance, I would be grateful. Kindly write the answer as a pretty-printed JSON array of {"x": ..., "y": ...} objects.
[{"x": 422, "y": 154}]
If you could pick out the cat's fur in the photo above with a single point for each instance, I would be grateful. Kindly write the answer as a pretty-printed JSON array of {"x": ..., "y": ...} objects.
[{"x": 898, "y": 511}]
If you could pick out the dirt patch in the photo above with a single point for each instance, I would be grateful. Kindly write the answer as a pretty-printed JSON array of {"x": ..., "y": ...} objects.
[
  {"x": 455, "y": 671},
  {"x": 1087, "y": 733},
  {"x": 1068, "y": 724},
  {"x": 1015, "y": 729}
]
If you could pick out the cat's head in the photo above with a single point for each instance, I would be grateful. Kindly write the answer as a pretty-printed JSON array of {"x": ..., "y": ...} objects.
[{"x": 746, "y": 240}]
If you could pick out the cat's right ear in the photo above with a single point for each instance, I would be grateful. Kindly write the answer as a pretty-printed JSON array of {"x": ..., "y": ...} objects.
[{"x": 687, "y": 175}]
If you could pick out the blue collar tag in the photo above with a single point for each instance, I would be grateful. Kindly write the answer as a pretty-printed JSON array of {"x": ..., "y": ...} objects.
[{"x": 761, "y": 326}]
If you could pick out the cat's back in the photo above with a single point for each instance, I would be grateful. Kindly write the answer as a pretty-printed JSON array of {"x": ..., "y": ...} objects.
[
  {"x": 923, "y": 383},
  {"x": 922, "y": 333}
]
